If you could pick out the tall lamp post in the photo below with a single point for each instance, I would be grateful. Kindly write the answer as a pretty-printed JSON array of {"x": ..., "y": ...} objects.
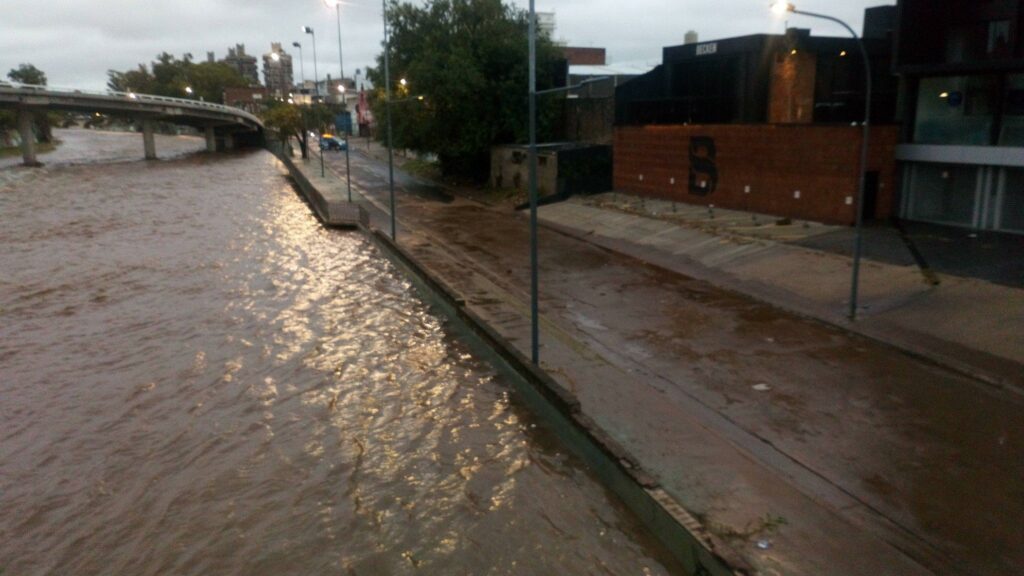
[
  {"x": 348, "y": 167},
  {"x": 302, "y": 63},
  {"x": 534, "y": 272},
  {"x": 316, "y": 74},
  {"x": 336, "y": 4},
  {"x": 782, "y": 8},
  {"x": 534, "y": 283},
  {"x": 387, "y": 108}
]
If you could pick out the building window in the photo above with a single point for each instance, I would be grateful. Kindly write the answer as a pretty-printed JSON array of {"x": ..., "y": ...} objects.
[
  {"x": 998, "y": 42},
  {"x": 1011, "y": 132},
  {"x": 942, "y": 193},
  {"x": 956, "y": 110}
]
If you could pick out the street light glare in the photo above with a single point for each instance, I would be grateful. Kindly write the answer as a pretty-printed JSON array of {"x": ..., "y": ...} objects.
[
  {"x": 341, "y": 88},
  {"x": 402, "y": 82},
  {"x": 275, "y": 56},
  {"x": 780, "y": 8}
]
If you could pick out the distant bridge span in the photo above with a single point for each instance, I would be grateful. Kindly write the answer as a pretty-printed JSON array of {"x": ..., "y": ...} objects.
[{"x": 218, "y": 121}]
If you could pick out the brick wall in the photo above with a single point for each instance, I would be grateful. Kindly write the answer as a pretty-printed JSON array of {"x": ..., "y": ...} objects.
[
  {"x": 792, "y": 88},
  {"x": 796, "y": 170},
  {"x": 584, "y": 56}
]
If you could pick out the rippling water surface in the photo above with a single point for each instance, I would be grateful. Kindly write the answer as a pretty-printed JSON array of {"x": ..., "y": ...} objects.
[{"x": 196, "y": 378}]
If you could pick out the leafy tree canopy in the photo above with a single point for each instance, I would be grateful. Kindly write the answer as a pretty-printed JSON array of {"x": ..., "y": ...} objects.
[
  {"x": 468, "y": 59},
  {"x": 28, "y": 74},
  {"x": 169, "y": 76}
]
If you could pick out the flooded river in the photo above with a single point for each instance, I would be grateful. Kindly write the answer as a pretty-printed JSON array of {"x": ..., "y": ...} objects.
[{"x": 197, "y": 378}]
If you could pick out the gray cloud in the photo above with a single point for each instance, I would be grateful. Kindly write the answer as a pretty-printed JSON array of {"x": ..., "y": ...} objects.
[{"x": 77, "y": 41}]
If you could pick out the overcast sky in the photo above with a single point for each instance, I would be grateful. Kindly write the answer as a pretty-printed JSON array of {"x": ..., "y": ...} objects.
[{"x": 76, "y": 41}]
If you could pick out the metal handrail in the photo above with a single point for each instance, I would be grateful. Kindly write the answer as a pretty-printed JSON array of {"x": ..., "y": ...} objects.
[{"x": 132, "y": 96}]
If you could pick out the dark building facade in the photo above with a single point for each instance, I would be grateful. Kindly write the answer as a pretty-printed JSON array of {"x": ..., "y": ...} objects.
[
  {"x": 767, "y": 123},
  {"x": 962, "y": 157},
  {"x": 737, "y": 80}
]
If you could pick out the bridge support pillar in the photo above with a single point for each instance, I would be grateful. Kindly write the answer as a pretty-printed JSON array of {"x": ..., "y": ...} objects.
[
  {"x": 28, "y": 139},
  {"x": 149, "y": 139},
  {"x": 211, "y": 139},
  {"x": 229, "y": 141}
]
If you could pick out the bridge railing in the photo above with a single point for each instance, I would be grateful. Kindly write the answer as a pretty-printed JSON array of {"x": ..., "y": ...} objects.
[{"x": 129, "y": 96}]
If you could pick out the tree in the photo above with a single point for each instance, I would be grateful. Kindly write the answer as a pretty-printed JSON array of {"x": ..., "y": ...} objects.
[
  {"x": 286, "y": 120},
  {"x": 27, "y": 74},
  {"x": 468, "y": 59},
  {"x": 168, "y": 76}
]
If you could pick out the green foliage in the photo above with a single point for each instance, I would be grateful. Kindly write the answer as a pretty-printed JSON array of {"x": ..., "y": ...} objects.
[
  {"x": 169, "y": 76},
  {"x": 468, "y": 59},
  {"x": 28, "y": 74},
  {"x": 285, "y": 119}
]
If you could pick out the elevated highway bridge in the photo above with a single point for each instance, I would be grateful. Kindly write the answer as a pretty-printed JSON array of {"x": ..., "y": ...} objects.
[{"x": 223, "y": 124}]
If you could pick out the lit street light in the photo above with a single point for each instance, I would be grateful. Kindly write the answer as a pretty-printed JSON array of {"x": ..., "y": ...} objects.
[
  {"x": 782, "y": 8},
  {"x": 188, "y": 90},
  {"x": 302, "y": 64},
  {"x": 316, "y": 74},
  {"x": 337, "y": 10}
]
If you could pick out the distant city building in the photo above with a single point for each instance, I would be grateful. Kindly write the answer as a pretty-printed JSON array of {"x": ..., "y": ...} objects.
[
  {"x": 243, "y": 63},
  {"x": 251, "y": 99},
  {"x": 546, "y": 24},
  {"x": 277, "y": 71},
  {"x": 584, "y": 56}
]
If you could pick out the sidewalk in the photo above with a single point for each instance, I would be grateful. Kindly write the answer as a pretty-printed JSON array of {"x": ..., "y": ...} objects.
[
  {"x": 968, "y": 324},
  {"x": 805, "y": 449}
]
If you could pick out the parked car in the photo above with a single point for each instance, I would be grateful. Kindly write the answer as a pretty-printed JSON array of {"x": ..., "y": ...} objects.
[{"x": 331, "y": 142}]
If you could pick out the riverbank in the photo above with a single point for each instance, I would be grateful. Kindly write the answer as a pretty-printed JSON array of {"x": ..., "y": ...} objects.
[
  {"x": 765, "y": 426},
  {"x": 41, "y": 148}
]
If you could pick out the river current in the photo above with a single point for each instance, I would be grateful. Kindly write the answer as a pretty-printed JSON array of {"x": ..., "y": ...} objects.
[{"x": 198, "y": 378}]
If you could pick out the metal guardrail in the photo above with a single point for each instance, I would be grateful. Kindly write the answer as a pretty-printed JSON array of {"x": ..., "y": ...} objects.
[{"x": 19, "y": 88}]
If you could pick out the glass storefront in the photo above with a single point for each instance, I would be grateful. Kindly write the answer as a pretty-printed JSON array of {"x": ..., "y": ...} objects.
[
  {"x": 982, "y": 197},
  {"x": 956, "y": 110},
  {"x": 942, "y": 193}
]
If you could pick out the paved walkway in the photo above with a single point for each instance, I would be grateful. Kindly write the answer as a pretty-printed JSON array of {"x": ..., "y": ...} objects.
[
  {"x": 970, "y": 324},
  {"x": 802, "y": 447}
]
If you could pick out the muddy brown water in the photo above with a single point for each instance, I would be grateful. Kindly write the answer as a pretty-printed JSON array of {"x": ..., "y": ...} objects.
[{"x": 197, "y": 378}]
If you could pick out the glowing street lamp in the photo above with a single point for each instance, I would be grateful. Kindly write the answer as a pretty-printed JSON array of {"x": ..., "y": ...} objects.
[
  {"x": 302, "y": 63},
  {"x": 336, "y": 4},
  {"x": 316, "y": 74},
  {"x": 188, "y": 90},
  {"x": 782, "y": 8}
]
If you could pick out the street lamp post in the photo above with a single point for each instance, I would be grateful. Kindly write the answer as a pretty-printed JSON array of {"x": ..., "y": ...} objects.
[
  {"x": 316, "y": 73},
  {"x": 302, "y": 63},
  {"x": 783, "y": 8},
  {"x": 341, "y": 62},
  {"x": 348, "y": 167},
  {"x": 534, "y": 283},
  {"x": 387, "y": 108}
]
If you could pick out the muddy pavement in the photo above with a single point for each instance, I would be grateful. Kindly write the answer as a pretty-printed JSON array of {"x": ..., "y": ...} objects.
[{"x": 928, "y": 461}]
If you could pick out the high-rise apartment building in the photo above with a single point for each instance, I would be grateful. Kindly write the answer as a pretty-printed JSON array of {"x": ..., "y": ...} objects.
[
  {"x": 243, "y": 63},
  {"x": 277, "y": 71}
]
